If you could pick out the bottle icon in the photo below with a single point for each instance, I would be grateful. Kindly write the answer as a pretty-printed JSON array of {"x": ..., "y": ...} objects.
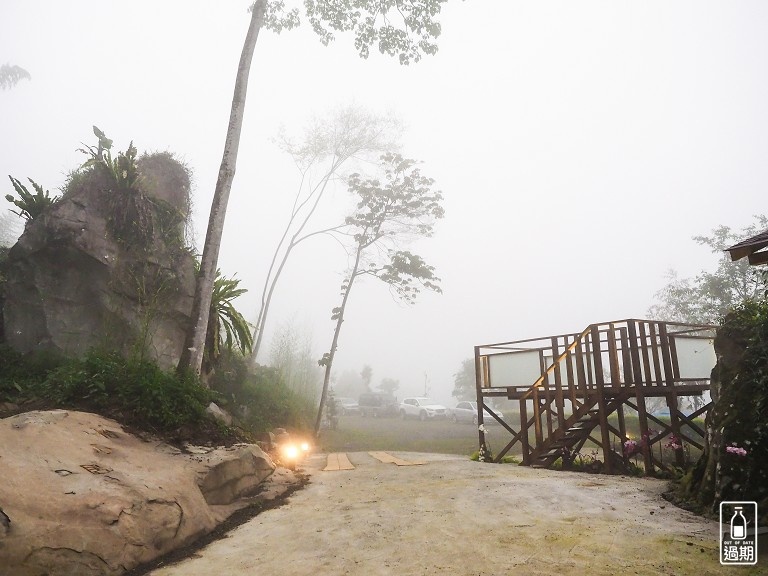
[{"x": 738, "y": 525}]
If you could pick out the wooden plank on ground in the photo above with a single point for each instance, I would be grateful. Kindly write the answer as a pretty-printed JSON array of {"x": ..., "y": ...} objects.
[
  {"x": 338, "y": 461},
  {"x": 390, "y": 459},
  {"x": 344, "y": 463},
  {"x": 332, "y": 464}
]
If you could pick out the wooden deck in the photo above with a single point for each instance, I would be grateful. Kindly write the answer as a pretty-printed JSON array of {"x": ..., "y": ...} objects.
[{"x": 568, "y": 386}]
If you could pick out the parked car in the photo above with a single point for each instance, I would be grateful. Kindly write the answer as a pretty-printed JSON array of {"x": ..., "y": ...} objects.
[
  {"x": 376, "y": 404},
  {"x": 347, "y": 406},
  {"x": 467, "y": 412},
  {"x": 421, "y": 408}
]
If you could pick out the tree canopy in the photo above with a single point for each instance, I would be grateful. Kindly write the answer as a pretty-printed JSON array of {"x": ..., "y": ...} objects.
[
  {"x": 391, "y": 209},
  {"x": 10, "y": 75},
  {"x": 464, "y": 381},
  {"x": 708, "y": 296}
]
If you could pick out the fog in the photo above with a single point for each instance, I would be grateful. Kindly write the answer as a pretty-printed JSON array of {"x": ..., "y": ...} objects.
[{"x": 579, "y": 146}]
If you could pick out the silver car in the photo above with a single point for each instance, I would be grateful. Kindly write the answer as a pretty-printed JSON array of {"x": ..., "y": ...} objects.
[{"x": 467, "y": 412}]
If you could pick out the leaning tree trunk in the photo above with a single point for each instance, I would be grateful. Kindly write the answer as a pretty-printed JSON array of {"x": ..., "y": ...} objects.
[
  {"x": 192, "y": 353},
  {"x": 339, "y": 320}
]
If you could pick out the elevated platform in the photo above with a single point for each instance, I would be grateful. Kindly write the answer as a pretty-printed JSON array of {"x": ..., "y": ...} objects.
[{"x": 568, "y": 386}]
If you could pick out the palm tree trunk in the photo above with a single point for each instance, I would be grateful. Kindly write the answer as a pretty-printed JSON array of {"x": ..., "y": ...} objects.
[{"x": 192, "y": 353}]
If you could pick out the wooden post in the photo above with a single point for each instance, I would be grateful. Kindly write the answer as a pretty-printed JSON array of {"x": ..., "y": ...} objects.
[
  {"x": 524, "y": 432},
  {"x": 547, "y": 393},
  {"x": 602, "y": 409},
  {"x": 669, "y": 378},
  {"x": 559, "y": 401},
  {"x": 637, "y": 379},
  {"x": 479, "y": 393}
]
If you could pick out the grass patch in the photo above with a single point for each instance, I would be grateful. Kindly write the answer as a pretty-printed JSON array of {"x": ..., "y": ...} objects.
[{"x": 356, "y": 433}]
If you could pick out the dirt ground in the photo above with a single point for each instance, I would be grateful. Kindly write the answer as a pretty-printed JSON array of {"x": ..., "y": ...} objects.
[{"x": 454, "y": 516}]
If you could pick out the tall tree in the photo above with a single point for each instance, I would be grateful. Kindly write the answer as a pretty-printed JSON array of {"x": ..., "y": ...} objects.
[
  {"x": 192, "y": 352},
  {"x": 349, "y": 133},
  {"x": 401, "y": 207},
  {"x": 464, "y": 381},
  {"x": 367, "y": 375},
  {"x": 389, "y": 385},
  {"x": 707, "y": 297},
  {"x": 10, "y": 76},
  {"x": 371, "y": 22}
]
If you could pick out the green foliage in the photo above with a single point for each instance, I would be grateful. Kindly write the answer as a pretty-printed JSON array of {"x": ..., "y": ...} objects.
[
  {"x": 136, "y": 391},
  {"x": 259, "y": 396},
  {"x": 707, "y": 297},
  {"x": 371, "y": 23},
  {"x": 30, "y": 205},
  {"x": 122, "y": 170},
  {"x": 227, "y": 328},
  {"x": 10, "y": 76},
  {"x": 741, "y": 412},
  {"x": 402, "y": 206}
]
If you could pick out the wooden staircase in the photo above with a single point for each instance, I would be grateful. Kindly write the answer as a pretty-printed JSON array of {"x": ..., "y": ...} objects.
[
  {"x": 587, "y": 377},
  {"x": 567, "y": 440}
]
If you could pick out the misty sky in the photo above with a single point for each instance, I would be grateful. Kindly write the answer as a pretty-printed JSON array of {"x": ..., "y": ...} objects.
[{"x": 579, "y": 146}]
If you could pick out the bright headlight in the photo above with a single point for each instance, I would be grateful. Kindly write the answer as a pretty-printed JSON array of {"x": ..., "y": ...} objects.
[{"x": 291, "y": 452}]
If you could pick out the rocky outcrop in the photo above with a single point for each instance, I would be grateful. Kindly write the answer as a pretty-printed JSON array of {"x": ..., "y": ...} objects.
[
  {"x": 105, "y": 267},
  {"x": 85, "y": 497}
]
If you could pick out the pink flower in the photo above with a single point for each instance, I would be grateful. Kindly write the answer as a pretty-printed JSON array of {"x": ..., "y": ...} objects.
[
  {"x": 674, "y": 443},
  {"x": 630, "y": 447},
  {"x": 733, "y": 449}
]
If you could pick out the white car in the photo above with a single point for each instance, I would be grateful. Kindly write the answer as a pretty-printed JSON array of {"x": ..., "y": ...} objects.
[
  {"x": 467, "y": 412},
  {"x": 421, "y": 408}
]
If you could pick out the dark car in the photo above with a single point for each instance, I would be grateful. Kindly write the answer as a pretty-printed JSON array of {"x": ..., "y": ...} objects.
[{"x": 376, "y": 405}]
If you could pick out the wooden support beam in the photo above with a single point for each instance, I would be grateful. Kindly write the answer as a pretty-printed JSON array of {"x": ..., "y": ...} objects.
[
  {"x": 602, "y": 412},
  {"x": 479, "y": 396},
  {"x": 666, "y": 354},
  {"x": 655, "y": 354},
  {"x": 613, "y": 358},
  {"x": 524, "y": 427},
  {"x": 559, "y": 398},
  {"x": 637, "y": 379}
]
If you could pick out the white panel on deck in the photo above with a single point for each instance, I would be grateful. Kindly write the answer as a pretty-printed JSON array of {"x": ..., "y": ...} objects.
[
  {"x": 514, "y": 368},
  {"x": 695, "y": 356}
]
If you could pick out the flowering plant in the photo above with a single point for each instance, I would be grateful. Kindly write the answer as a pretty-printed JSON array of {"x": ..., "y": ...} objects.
[
  {"x": 734, "y": 449},
  {"x": 674, "y": 442},
  {"x": 632, "y": 447}
]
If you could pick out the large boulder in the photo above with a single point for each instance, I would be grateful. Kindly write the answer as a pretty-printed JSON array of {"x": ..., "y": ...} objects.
[
  {"x": 84, "y": 497},
  {"x": 105, "y": 267}
]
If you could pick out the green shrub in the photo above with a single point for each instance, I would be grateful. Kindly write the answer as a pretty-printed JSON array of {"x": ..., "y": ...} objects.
[
  {"x": 139, "y": 392},
  {"x": 21, "y": 374},
  {"x": 30, "y": 205},
  {"x": 260, "y": 396}
]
